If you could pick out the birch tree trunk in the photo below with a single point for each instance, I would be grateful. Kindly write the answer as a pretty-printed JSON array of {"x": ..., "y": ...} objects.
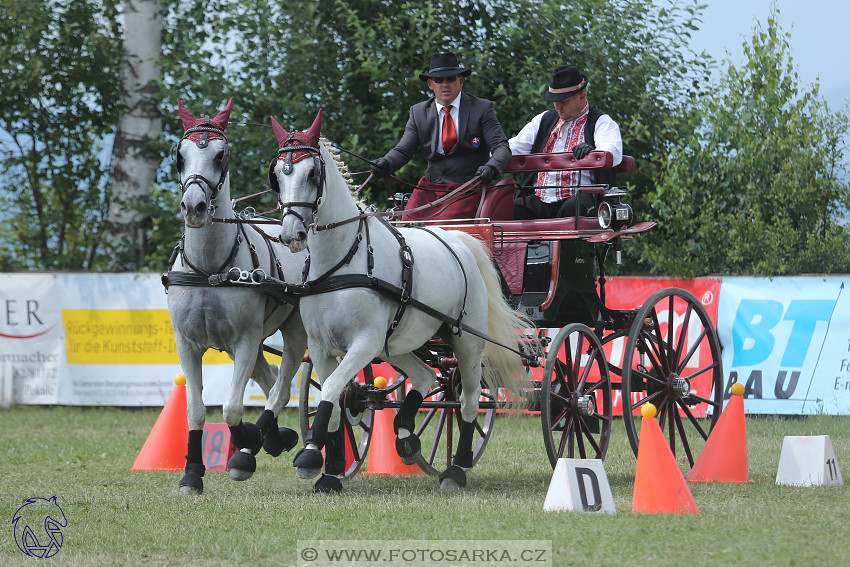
[{"x": 134, "y": 159}]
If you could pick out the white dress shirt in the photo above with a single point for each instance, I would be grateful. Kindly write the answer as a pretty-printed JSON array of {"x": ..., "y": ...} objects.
[{"x": 606, "y": 137}]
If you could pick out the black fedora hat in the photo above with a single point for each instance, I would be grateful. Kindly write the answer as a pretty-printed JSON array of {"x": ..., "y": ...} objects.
[
  {"x": 444, "y": 65},
  {"x": 566, "y": 82}
]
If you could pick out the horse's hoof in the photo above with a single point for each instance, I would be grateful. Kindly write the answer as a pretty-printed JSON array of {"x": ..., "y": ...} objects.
[
  {"x": 408, "y": 448},
  {"x": 453, "y": 478},
  {"x": 327, "y": 484},
  {"x": 189, "y": 491},
  {"x": 191, "y": 485},
  {"x": 308, "y": 463},
  {"x": 285, "y": 441},
  {"x": 242, "y": 465}
]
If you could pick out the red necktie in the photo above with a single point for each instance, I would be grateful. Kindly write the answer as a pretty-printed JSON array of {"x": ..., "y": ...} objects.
[{"x": 449, "y": 132}]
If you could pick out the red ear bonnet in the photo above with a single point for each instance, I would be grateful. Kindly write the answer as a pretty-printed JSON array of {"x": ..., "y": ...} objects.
[
  {"x": 189, "y": 121},
  {"x": 308, "y": 138}
]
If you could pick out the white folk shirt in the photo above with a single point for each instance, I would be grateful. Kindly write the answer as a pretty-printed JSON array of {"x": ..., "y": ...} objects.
[
  {"x": 455, "y": 114},
  {"x": 606, "y": 136}
]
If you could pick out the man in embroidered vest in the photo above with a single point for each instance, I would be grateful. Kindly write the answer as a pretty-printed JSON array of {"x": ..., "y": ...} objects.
[
  {"x": 571, "y": 126},
  {"x": 458, "y": 134}
]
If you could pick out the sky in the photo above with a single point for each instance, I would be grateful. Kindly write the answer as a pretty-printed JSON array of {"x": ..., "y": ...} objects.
[{"x": 819, "y": 31}]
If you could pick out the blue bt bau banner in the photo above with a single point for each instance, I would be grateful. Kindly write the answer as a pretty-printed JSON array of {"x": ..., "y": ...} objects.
[{"x": 787, "y": 340}]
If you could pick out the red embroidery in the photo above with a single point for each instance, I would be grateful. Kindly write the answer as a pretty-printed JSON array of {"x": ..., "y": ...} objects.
[{"x": 562, "y": 180}]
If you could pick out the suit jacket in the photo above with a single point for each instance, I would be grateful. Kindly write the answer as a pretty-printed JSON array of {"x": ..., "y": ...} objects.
[{"x": 479, "y": 135}]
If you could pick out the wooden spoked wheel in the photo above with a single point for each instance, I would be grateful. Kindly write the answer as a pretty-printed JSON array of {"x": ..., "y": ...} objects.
[
  {"x": 438, "y": 427},
  {"x": 575, "y": 396},
  {"x": 355, "y": 420},
  {"x": 672, "y": 360}
]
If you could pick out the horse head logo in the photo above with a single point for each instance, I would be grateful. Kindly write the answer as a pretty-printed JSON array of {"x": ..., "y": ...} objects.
[{"x": 38, "y": 527}]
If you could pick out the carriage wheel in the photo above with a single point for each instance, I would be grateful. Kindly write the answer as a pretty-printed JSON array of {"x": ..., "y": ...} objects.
[
  {"x": 575, "y": 397},
  {"x": 356, "y": 421},
  {"x": 439, "y": 429},
  {"x": 679, "y": 372}
]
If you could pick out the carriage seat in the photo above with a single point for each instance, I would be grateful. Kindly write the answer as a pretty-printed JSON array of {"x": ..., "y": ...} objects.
[{"x": 497, "y": 204}]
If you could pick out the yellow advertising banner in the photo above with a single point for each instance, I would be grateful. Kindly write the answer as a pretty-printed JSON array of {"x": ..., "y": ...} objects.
[{"x": 124, "y": 336}]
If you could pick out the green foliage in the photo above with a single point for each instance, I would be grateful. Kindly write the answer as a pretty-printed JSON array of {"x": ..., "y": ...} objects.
[
  {"x": 757, "y": 188},
  {"x": 360, "y": 60},
  {"x": 57, "y": 107},
  {"x": 753, "y": 162}
]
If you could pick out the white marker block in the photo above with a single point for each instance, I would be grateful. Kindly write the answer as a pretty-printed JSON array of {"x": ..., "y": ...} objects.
[
  {"x": 580, "y": 485},
  {"x": 808, "y": 461}
]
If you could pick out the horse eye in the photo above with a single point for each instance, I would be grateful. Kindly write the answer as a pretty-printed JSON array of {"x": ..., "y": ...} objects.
[
  {"x": 179, "y": 163},
  {"x": 219, "y": 157}
]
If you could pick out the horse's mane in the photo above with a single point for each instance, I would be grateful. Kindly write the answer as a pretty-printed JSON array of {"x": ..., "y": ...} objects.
[{"x": 343, "y": 169}]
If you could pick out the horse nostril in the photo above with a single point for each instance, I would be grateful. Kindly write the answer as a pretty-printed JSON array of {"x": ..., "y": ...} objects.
[
  {"x": 201, "y": 208},
  {"x": 302, "y": 235}
]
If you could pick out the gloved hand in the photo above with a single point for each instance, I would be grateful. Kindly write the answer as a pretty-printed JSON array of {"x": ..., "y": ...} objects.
[
  {"x": 581, "y": 150},
  {"x": 381, "y": 168},
  {"x": 487, "y": 173}
]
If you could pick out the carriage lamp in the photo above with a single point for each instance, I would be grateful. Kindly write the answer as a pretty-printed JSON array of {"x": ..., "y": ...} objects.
[{"x": 612, "y": 213}]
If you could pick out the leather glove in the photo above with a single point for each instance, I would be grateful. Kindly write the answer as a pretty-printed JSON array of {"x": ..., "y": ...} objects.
[
  {"x": 581, "y": 150},
  {"x": 487, "y": 173},
  {"x": 381, "y": 168}
]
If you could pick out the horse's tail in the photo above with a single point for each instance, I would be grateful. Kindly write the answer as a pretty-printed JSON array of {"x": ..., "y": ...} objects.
[{"x": 502, "y": 367}]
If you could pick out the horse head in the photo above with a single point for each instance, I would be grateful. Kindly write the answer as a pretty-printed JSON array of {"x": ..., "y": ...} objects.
[
  {"x": 202, "y": 165},
  {"x": 297, "y": 175}
]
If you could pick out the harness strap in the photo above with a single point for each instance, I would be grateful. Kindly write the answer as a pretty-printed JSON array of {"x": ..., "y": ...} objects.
[
  {"x": 394, "y": 292},
  {"x": 345, "y": 260},
  {"x": 406, "y": 256}
]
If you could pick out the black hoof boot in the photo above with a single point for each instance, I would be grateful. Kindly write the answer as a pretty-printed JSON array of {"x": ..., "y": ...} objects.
[
  {"x": 327, "y": 484},
  {"x": 192, "y": 483},
  {"x": 453, "y": 478},
  {"x": 308, "y": 463},
  {"x": 408, "y": 448},
  {"x": 242, "y": 465},
  {"x": 285, "y": 440},
  {"x": 247, "y": 436}
]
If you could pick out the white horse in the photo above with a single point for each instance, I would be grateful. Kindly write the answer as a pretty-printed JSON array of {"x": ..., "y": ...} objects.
[
  {"x": 235, "y": 319},
  {"x": 446, "y": 272}
]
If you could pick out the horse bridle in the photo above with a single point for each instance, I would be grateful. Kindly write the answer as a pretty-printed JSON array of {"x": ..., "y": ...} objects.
[
  {"x": 197, "y": 179},
  {"x": 290, "y": 146}
]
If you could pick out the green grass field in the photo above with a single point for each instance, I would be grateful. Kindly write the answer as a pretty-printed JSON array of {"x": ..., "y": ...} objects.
[{"x": 119, "y": 517}]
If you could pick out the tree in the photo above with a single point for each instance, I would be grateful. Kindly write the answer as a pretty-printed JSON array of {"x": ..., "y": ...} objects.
[
  {"x": 58, "y": 106},
  {"x": 135, "y": 155},
  {"x": 757, "y": 188}
]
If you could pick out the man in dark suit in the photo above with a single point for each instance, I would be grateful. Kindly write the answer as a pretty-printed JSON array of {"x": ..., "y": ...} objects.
[{"x": 457, "y": 132}]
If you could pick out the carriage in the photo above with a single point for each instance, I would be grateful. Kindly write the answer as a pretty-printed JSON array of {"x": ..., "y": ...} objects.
[
  {"x": 665, "y": 351},
  {"x": 573, "y": 359}
]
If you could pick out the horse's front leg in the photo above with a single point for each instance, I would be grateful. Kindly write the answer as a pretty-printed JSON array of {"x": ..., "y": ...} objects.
[
  {"x": 245, "y": 436},
  {"x": 192, "y": 482},
  {"x": 278, "y": 439},
  {"x": 326, "y": 423}
]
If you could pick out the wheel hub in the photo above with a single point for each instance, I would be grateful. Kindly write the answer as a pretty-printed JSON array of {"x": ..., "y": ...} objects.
[
  {"x": 681, "y": 387},
  {"x": 586, "y": 406}
]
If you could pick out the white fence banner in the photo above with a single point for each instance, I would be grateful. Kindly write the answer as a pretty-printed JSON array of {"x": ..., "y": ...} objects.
[
  {"x": 99, "y": 339},
  {"x": 106, "y": 339},
  {"x": 787, "y": 340}
]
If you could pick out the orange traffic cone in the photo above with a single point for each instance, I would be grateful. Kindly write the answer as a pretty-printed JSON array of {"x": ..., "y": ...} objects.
[
  {"x": 165, "y": 448},
  {"x": 660, "y": 487},
  {"x": 724, "y": 457},
  {"x": 383, "y": 458}
]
